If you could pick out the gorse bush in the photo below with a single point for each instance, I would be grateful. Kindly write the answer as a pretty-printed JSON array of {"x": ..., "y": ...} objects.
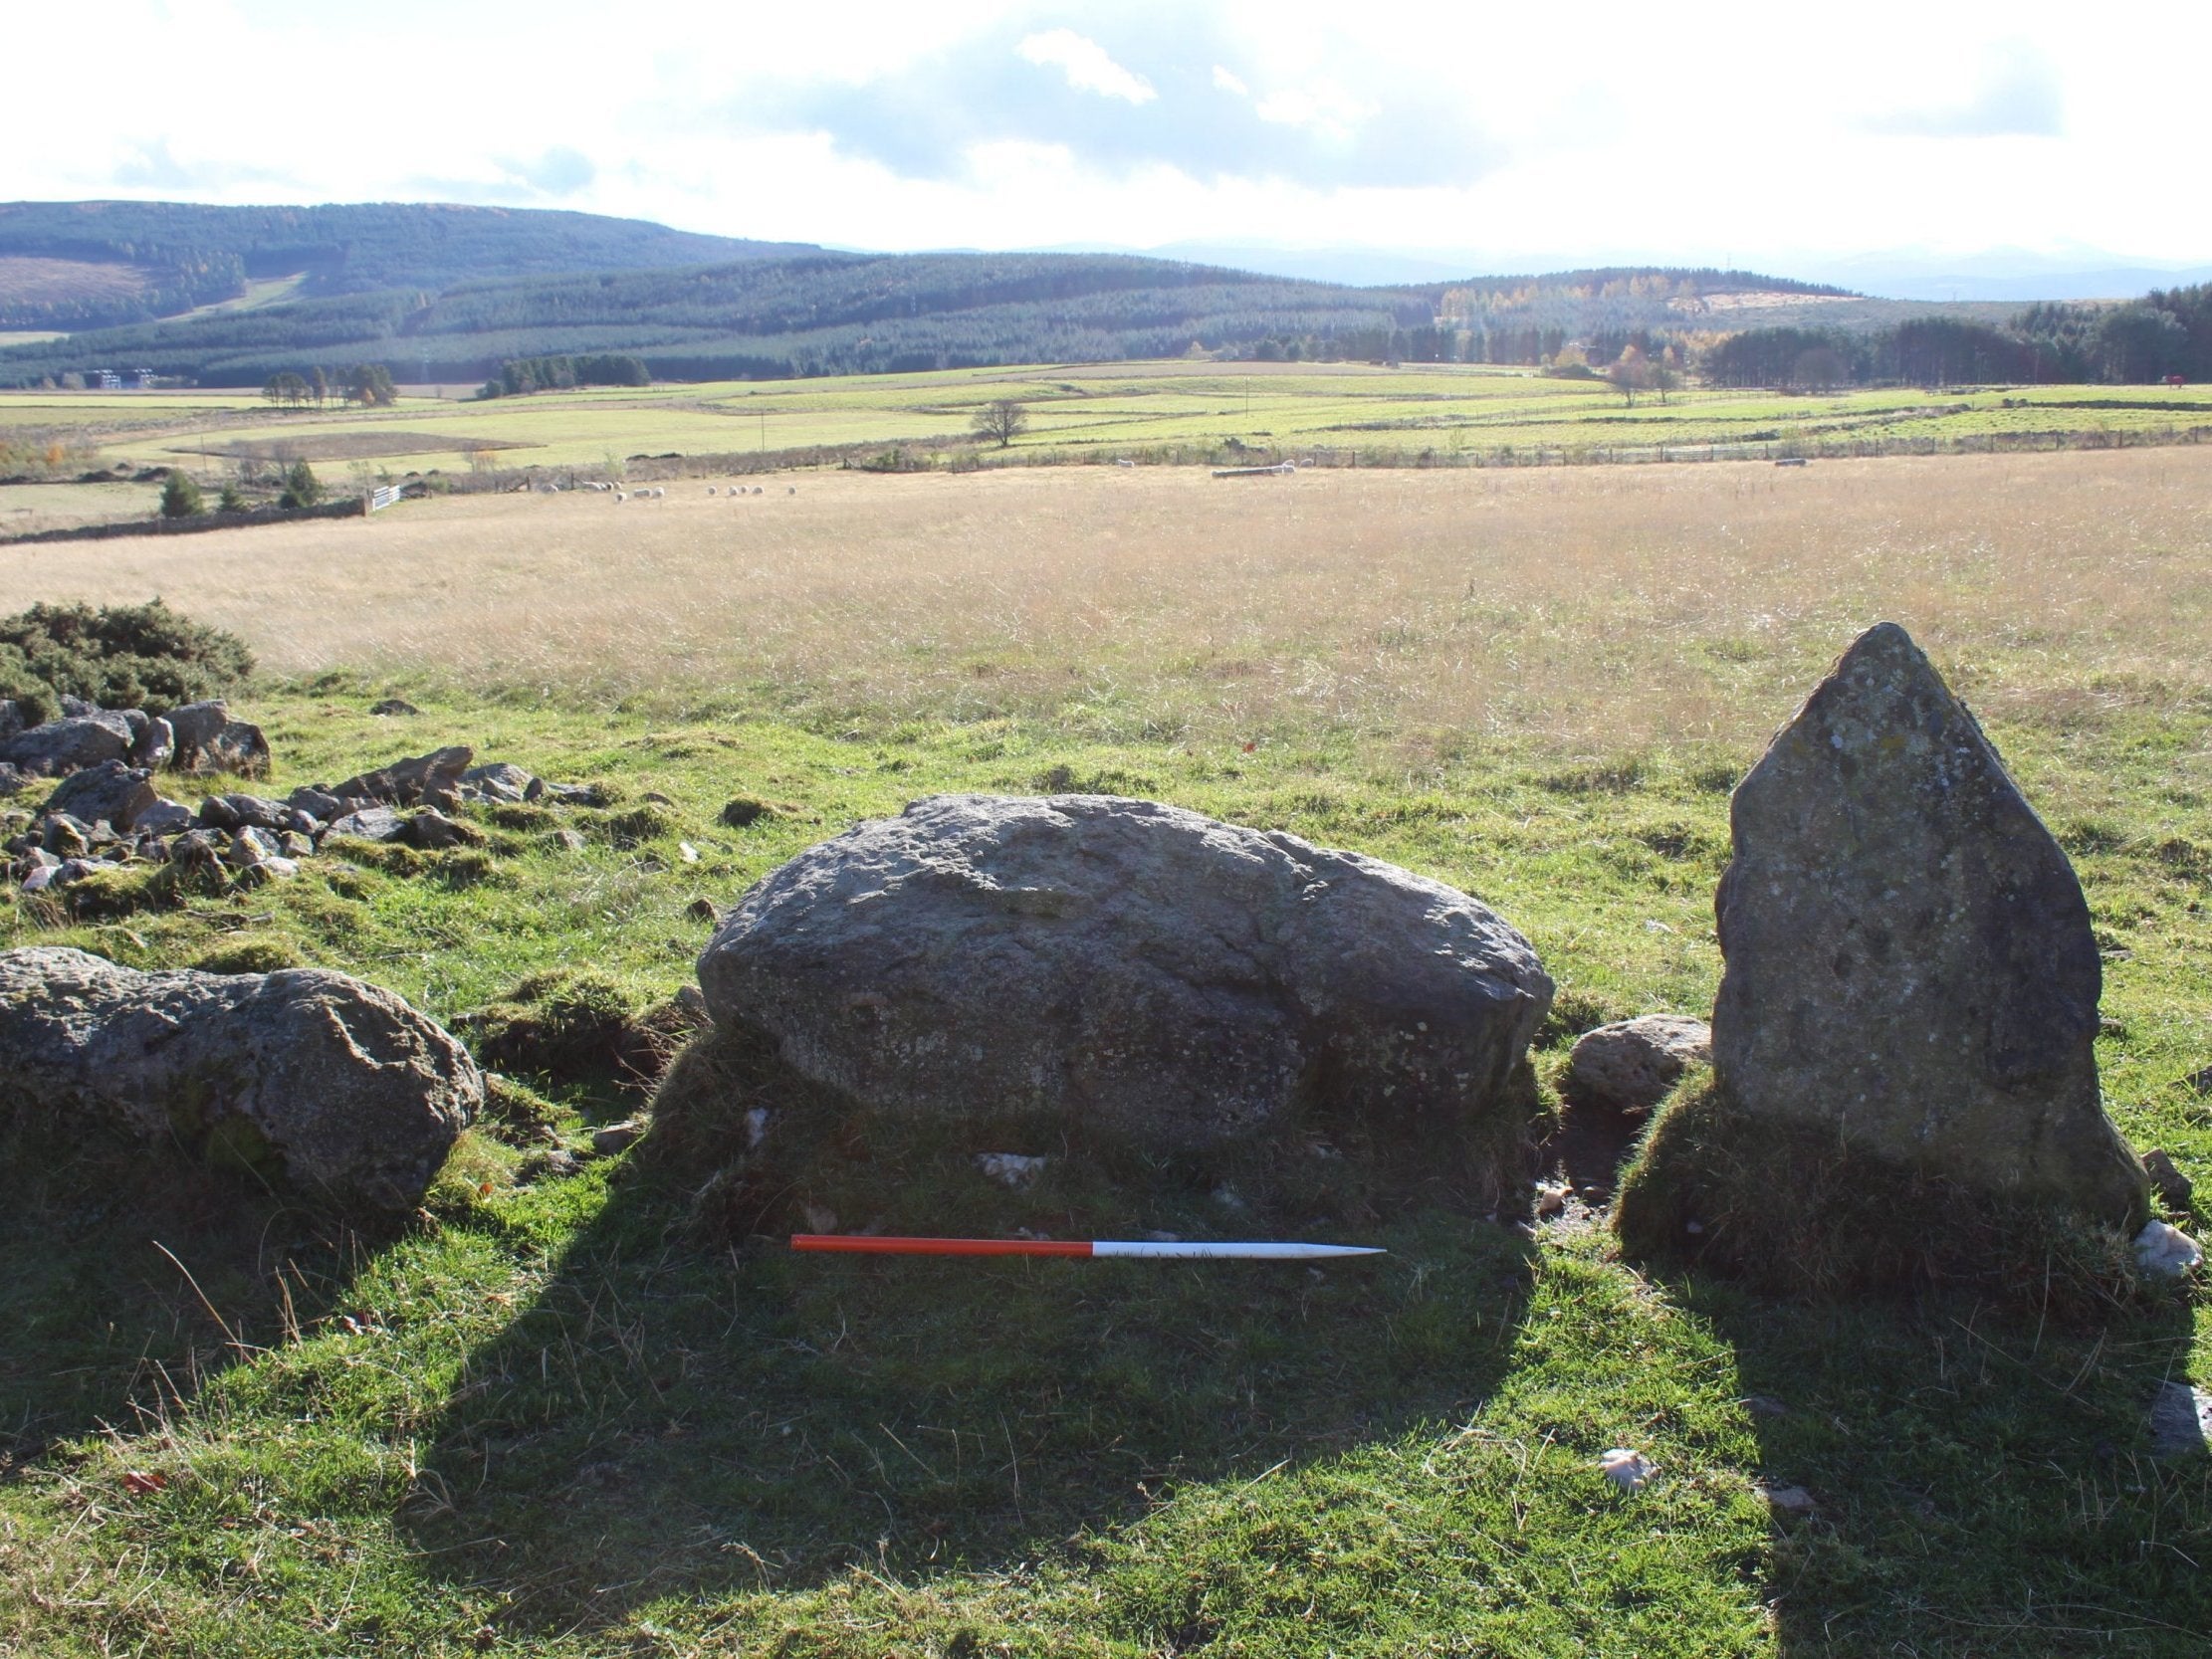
[{"x": 118, "y": 656}]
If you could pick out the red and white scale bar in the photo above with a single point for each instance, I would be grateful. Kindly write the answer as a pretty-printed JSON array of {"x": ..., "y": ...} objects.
[{"x": 862, "y": 1244}]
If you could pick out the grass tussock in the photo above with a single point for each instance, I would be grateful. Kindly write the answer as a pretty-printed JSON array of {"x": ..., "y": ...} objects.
[
  {"x": 571, "y": 1025},
  {"x": 1788, "y": 1210}
]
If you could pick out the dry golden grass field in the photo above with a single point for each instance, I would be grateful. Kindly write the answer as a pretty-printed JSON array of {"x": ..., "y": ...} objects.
[{"x": 1584, "y": 606}]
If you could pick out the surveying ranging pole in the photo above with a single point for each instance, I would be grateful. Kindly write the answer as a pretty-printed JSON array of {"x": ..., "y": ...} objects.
[{"x": 861, "y": 1244}]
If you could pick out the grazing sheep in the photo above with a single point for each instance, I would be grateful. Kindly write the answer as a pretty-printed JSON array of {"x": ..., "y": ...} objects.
[
  {"x": 620, "y": 497},
  {"x": 710, "y": 489}
]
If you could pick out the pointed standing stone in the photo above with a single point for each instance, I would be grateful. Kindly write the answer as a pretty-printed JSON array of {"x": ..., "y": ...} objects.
[{"x": 1911, "y": 979}]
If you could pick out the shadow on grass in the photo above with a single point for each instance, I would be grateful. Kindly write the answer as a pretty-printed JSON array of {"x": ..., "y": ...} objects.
[
  {"x": 1984, "y": 1481},
  {"x": 122, "y": 1289},
  {"x": 669, "y": 1417}
]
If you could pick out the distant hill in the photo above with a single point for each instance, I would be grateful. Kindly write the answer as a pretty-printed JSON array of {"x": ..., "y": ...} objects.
[
  {"x": 90, "y": 265},
  {"x": 230, "y": 297},
  {"x": 820, "y": 313}
]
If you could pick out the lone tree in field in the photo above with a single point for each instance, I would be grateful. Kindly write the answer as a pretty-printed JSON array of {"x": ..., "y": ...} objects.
[
  {"x": 1002, "y": 418},
  {"x": 180, "y": 497},
  {"x": 1630, "y": 374},
  {"x": 301, "y": 487}
]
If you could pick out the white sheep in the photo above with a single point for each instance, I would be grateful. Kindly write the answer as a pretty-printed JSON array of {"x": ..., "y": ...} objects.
[{"x": 710, "y": 489}]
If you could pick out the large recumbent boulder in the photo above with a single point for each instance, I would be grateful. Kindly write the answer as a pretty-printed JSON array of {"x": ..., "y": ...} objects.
[
  {"x": 1135, "y": 970},
  {"x": 1909, "y": 1002},
  {"x": 335, "y": 1087}
]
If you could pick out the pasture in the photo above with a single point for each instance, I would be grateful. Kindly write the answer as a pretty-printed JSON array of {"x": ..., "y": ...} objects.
[
  {"x": 1182, "y": 410},
  {"x": 547, "y": 1419}
]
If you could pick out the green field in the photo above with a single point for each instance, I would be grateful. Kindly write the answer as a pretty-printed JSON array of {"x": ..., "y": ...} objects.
[
  {"x": 1154, "y": 411},
  {"x": 553, "y": 1414}
]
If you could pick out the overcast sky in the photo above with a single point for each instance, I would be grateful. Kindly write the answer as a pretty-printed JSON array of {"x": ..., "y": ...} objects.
[{"x": 1771, "y": 136}]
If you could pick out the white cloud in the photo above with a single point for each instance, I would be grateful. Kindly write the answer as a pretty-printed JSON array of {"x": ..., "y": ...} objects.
[
  {"x": 1087, "y": 66},
  {"x": 1790, "y": 138},
  {"x": 1320, "y": 107}
]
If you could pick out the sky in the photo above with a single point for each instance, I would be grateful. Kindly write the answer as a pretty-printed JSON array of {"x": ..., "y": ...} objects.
[{"x": 1790, "y": 138}]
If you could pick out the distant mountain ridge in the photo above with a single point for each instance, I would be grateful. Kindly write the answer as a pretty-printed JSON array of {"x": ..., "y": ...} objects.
[
  {"x": 443, "y": 294},
  {"x": 185, "y": 255}
]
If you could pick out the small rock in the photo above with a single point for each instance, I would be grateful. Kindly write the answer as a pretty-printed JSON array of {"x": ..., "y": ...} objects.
[
  {"x": 570, "y": 841},
  {"x": 574, "y": 794},
  {"x": 292, "y": 844},
  {"x": 393, "y": 706},
  {"x": 275, "y": 868},
  {"x": 2165, "y": 1251},
  {"x": 1551, "y": 1197},
  {"x": 2180, "y": 1420},
  {"x": 154, "y": 745},
  {"x": 301, "y": 823},
  {"x": 687, "y": 852},
  {"x": 370, "y": 823},
  {"x": 251, "y": 846},
  {"x": 1632, "y": 1064},
  {"x": 431, "y": 830},
  {"x": 1010, "y": 1169},
  {"x": 201, "y": 847},
  {"x": 1627, "y": 1469},
  {"x": 40, "y": 877},
  {"x": 2200, "y": 1083},
  {"x": 12, "y": 780},
  {"x": 240, "y": 811},
  {"x": 756, "y": 1127},
  {"x": 700, "y": 910},
  {"x": 692, "y": 1001},
  {"x": 496, "y": 781},
  {"x": 65, "y": 836},
  {"x": 239, "y": 748},
  {"x": 819, "y": 1218},
  {"x": 2172, "y": 1185},
  {"x": 315, "y": 803},
  {"x": 110, "y": 794},
  {"x": 165, "y": 817},
  {"x": 1789, "y": 1499},
  {"x": 194, "y": 726},
  {"x": 558, "y": 1161},
  {"x": 67, "y": 746},
  {"x": 615, "y": 1137},
  {"x": 408, "y": 782}
]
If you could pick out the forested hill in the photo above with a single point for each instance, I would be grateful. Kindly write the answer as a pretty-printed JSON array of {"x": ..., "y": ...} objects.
[
  {"x": 822, "y": 313},
  {"x": 818, "y": 315},
  {"x": 88, "y": 265}
]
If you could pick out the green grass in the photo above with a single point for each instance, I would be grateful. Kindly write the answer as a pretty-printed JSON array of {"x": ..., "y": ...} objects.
[
  {"x": 558, "y": 1416},
  {"x": 1185, "y": 410}
]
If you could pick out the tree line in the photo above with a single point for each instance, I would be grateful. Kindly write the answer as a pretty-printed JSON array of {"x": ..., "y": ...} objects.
[
  {"x": 520, "y": 375},
  {"x": 2165, "y": 335}
]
